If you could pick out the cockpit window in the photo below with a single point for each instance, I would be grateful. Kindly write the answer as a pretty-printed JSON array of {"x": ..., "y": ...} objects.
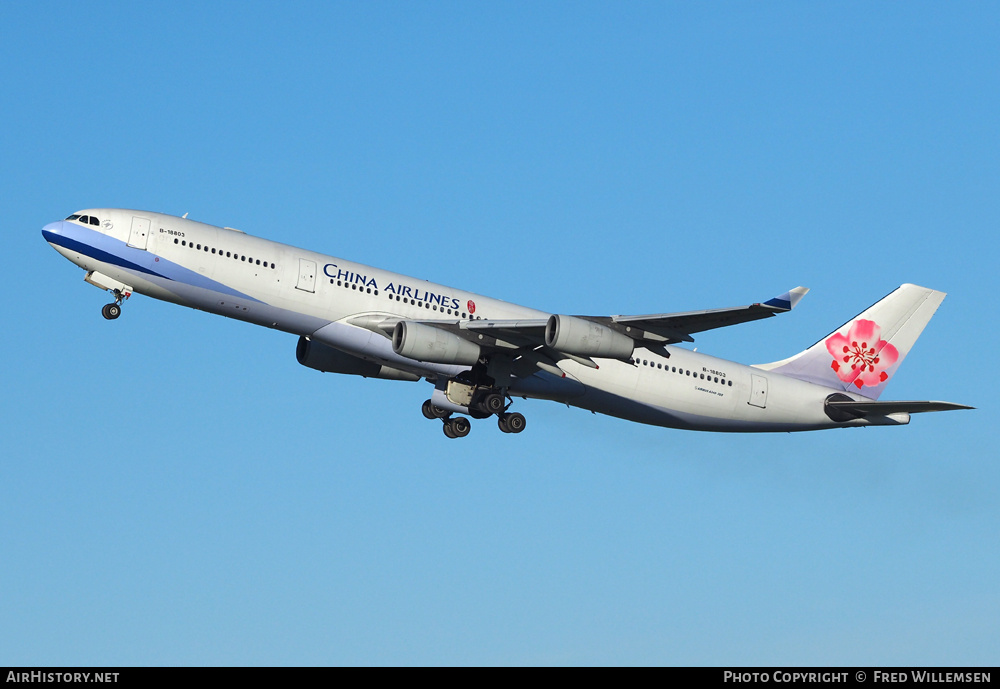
[
  {"x": 85, "y": 219},
  {"x": 75, "y": 216},
  {"x": 94, "y": 220}
]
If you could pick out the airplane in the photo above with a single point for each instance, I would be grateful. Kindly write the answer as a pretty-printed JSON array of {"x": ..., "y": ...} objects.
[{"x": 481, "y": 353}]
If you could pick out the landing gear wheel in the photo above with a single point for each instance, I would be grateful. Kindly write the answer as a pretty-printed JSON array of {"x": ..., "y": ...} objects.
[
  {"x": 111, "y": 311},
  {"x": 431, "y": 412},
  {"x": 493, "y": 403},
  {"x": 427, "y": 409},
  {"x": 511, "y": 423},
  {"x": 460, "y": 426}
]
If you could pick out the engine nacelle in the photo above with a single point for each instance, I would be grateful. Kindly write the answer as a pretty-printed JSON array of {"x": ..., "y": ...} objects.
[
  {"x": 427, "y": 343},
  {"x": 586, "y": 338},
  {"x": 321, "y": 357}
]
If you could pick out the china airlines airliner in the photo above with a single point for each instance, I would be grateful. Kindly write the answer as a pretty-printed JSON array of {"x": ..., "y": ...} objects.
[{"x": 479, "y": 354}]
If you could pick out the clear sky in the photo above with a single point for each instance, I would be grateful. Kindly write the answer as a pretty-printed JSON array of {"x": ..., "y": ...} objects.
[{"x": 176, "y": 489}]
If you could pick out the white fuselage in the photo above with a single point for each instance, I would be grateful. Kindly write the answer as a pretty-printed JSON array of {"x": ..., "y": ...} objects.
[{"x": 233, "y": 274}]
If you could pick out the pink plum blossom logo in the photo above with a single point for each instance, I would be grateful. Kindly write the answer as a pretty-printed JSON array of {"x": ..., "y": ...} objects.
[{"x": 862, "y": 357}]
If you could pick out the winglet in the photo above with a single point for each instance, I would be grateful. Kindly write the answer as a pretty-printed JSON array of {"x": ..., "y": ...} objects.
[{"x": 788, "y": 300}]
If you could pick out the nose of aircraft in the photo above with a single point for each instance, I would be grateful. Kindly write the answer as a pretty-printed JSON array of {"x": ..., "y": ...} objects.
[{"x": 53, "y": 230}]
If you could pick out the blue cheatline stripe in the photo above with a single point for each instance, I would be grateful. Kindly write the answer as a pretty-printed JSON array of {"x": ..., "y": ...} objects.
[
  {"x": 109, "y": 250},
  {"x": 95, "y": 253}
]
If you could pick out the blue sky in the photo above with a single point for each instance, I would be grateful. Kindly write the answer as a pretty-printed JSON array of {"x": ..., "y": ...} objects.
[{"x": 176, "y": 489}]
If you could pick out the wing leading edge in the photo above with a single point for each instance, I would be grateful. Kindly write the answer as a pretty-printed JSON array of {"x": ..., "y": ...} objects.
[
  {"x": 655, "y": 329},
  {"x": 532, "y": 342},
  {"x": 678, "y": 327}
]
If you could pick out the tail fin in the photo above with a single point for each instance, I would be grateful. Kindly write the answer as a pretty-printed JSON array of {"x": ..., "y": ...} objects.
[{"x": 864, "y": 353}]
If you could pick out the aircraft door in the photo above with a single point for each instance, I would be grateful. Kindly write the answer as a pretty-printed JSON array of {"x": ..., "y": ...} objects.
[
  {"x": 758, "y": 391},
  {"x": 307, "y": 275},
  {"x": 140, "y": 233}
]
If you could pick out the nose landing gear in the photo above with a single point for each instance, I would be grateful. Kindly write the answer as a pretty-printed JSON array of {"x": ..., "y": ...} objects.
[
  {"x": 119, "y": 290},
  {"x": 113, "y": 311}
]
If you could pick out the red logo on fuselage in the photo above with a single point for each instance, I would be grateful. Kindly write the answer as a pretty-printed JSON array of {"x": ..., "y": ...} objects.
[{"x": 472, "y": 306}]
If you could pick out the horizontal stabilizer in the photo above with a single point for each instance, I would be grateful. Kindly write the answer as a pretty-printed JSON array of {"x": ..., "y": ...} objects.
[{"x": 841, "y": 409}]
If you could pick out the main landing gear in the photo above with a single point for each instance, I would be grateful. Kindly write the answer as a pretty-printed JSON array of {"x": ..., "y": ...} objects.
[
  {"x": 459, "y": 426},
  {"x": 113, "y": 311},
  {"x": 511, "y": 423}
]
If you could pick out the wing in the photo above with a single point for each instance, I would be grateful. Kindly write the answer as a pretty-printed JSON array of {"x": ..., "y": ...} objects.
[
  {"x": 660, "y": 328},
  {"x": 541, "y": 343},
  {"x": 656, "y": 329},
  {"x": 678, "y": 327}
]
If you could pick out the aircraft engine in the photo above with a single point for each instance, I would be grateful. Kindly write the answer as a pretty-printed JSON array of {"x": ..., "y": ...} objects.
[
  {"x": 427, "y": 343},
  {"x": 319, "y": 356},
  {"x": 585, "y": 338}
]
